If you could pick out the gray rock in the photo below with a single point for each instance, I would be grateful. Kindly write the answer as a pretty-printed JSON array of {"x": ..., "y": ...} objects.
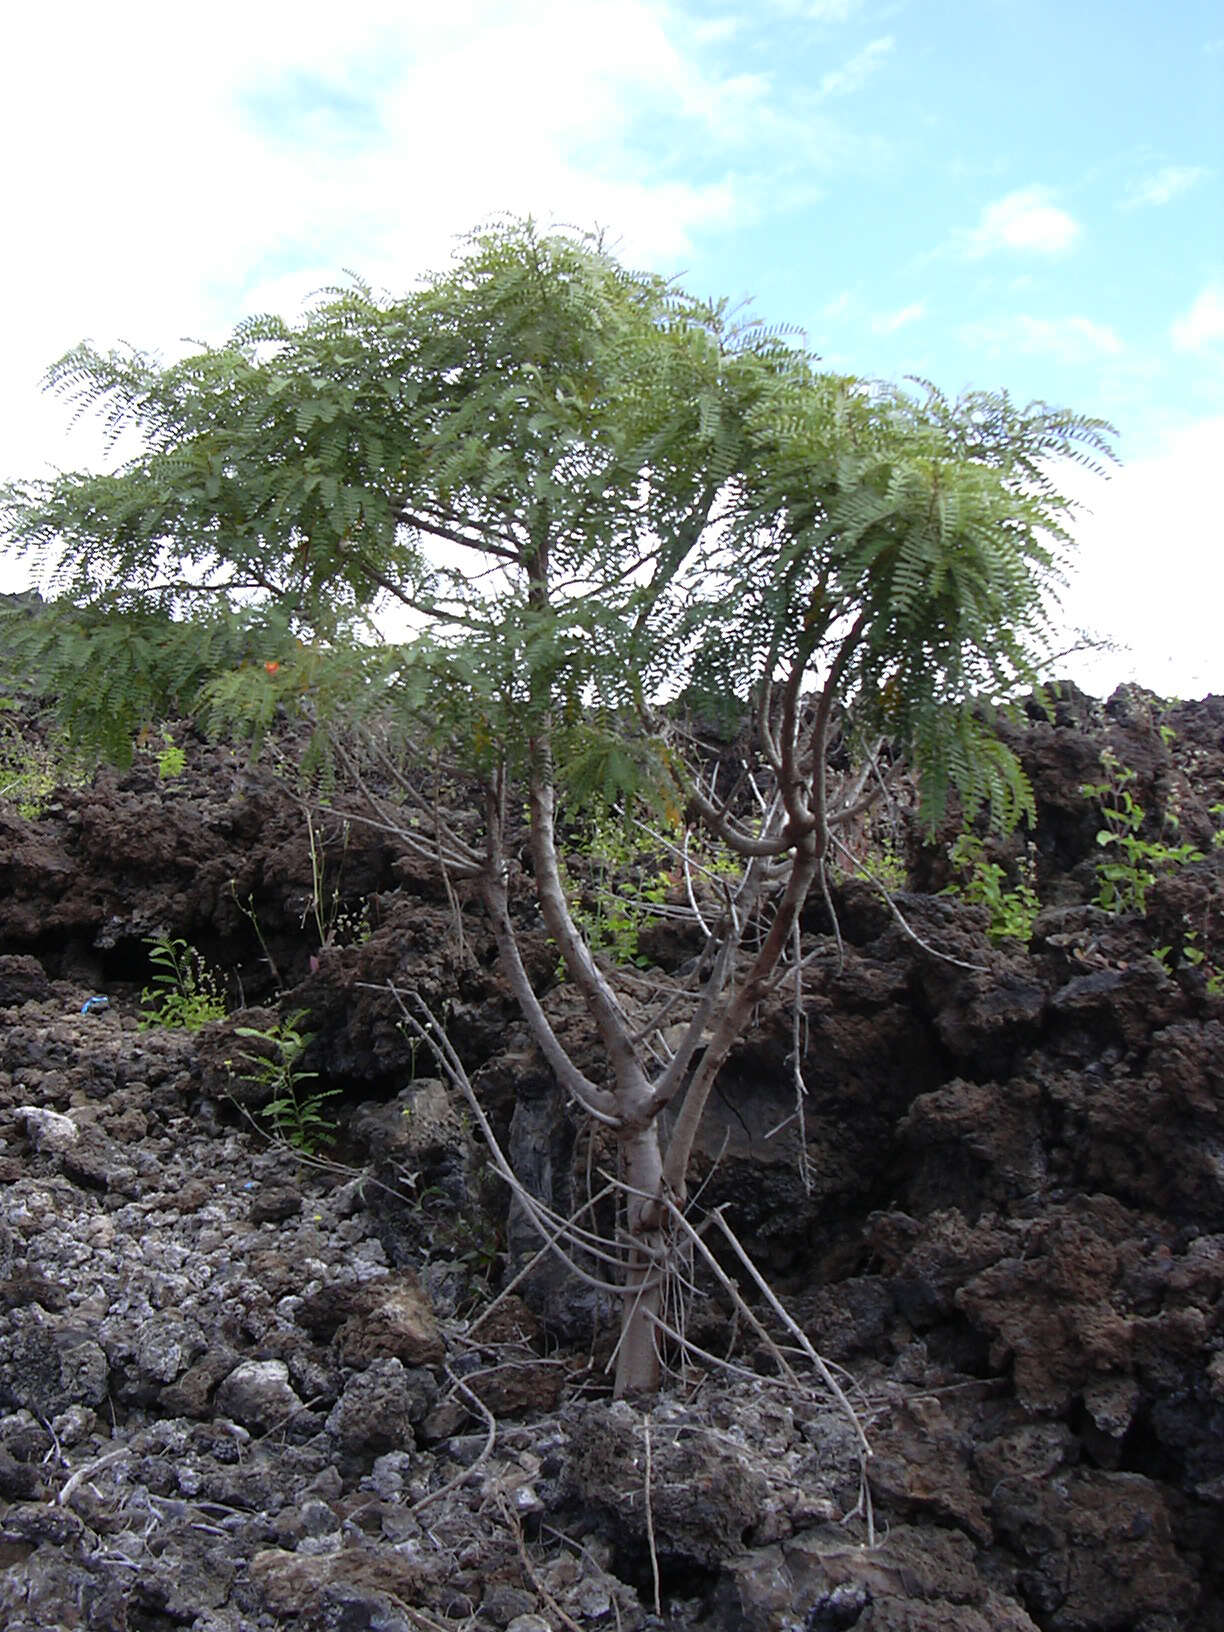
[
  {"x": 191, "y": 1394},
  {"x": 97, "y": 1161},
  {"x": 385, "y": 1316},
  {"x": 40, "y": 1522},
  {"x": 47, "y": 1130},
  {"x": 504, "y": 1604},
  {"x": 75, "y": 1424},
  {"x": 379, "y": 1407},
  {"x": 259, "y": 1395},
  {"x": 49, "y": 1364},
  {"x": 318, "y": 1519},
  {"x": 706, "y": 1495},
  {"x": 275, "y": 1203},
  {"x": 19, "y": 1481},
  {"x": 389, "y": 1474},
  {"x": 22, "y": 980},
  {"x": 350, "y": 1590},
  {"x": 396, "y": 1320},
  {"x": 166, "y": 1348}
]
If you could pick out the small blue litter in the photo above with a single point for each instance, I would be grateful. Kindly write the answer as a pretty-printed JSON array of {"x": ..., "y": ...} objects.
[{"x": 95, "y": 1005}]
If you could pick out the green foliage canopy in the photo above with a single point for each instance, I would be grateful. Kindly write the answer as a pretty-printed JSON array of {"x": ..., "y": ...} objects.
[{"x": 585, "y": 491}]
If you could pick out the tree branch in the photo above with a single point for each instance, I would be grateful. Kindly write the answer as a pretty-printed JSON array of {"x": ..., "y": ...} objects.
[
  {"x": 493, "y": 888},
  {"x": 736, "y": 1015},
  {"x": 440, "y": 529}
]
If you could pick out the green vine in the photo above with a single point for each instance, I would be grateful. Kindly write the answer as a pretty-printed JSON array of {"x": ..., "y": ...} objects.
[
  {"x": 171, "y": 759},
  {"x": 30, "y": 769},
  {"x": 623, "y": 888},
  {"x": 881, "y": 861},
  {"x": 1130, "y": 866}
]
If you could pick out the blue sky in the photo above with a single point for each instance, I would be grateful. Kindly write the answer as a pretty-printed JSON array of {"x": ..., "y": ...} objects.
[{"x": 983, "y": 192}]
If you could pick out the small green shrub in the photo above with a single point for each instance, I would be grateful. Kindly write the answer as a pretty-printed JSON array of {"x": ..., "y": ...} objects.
[
  {"x": 1193, "y": 954},
  {"x": 1012, "y": 912},
  {"x": 171, "y": 760},
  {"x": 882, "y": 863},
  {"x": 296, "y": 1117},
  {"x": 30, "y": 769},
  {"x": 624, "y": 887},
  {"x": 185, "y": 994},
  {"x": 1131, "y": 868}
]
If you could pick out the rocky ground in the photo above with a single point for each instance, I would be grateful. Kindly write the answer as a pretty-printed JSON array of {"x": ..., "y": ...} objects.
[{"x": 242, "y": 1389}]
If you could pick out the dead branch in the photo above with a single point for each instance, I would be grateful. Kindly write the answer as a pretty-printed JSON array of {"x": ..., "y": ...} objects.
[
  {"x": 907, "y": 927},
  {"x": 529, "y": 1570},
  {"x": 650, "y": 1534},
  {"x": 486, "y": 1450}
]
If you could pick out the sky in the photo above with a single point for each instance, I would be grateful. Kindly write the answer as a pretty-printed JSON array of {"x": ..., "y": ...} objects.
[{"x": 984, "y": 193}]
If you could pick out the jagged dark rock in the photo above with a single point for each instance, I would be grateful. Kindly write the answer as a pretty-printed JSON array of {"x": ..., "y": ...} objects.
[{"x": 240, "y": 1390}]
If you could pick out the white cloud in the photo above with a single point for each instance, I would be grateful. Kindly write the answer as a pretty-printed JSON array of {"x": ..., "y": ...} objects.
[
  {"x": 1164, "y": 185},
  {"x": 1025, "y": 220},
  {"x": 890, "y": 322},
  {"x": 1204, "y": 322},
  {"x": 1070, "y": 339},
  {"x": 183, "y": 179},
  {"x": 1150, "y": 568},
  {"x": 853, "y": 75}
]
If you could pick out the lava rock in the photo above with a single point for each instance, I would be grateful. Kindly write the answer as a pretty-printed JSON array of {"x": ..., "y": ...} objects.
[
  {"x": 259, "y": 1395},
  {"x": 379, "y": 1407},
  {"x": 49, "y": 1363},
  {"x": 22, "y": 980}
]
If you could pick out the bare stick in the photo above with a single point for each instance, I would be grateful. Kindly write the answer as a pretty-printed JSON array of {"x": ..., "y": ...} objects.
[
  {"x": 486, "y": 1450},
  {"x": 796, "y": 1331},
  {"x": 826, "y": 893},
  {"x": 821, "y": 1367},
  {"x": 736, "y": 1296},
  {"x": 88, "y": 1471},
  {"x": 805, "y": 1170},
  {"x": 945, "y": 957},
  {"x": 529, "y": 1569},
  {"x": 688, "y": 887},
  {"x": 452, "y": 900},
  {"x": 650, "y": 1534}
]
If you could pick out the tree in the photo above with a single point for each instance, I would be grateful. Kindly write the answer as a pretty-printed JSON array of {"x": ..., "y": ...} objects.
[{"x": 591, "y": 496}]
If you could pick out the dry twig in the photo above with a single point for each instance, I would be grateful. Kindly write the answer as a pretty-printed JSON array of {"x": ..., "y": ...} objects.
[
  {"x": 650, "y": 1534},
  {"x": 485, "y": 1452},
  {"x": 529, "y": 1569}
]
